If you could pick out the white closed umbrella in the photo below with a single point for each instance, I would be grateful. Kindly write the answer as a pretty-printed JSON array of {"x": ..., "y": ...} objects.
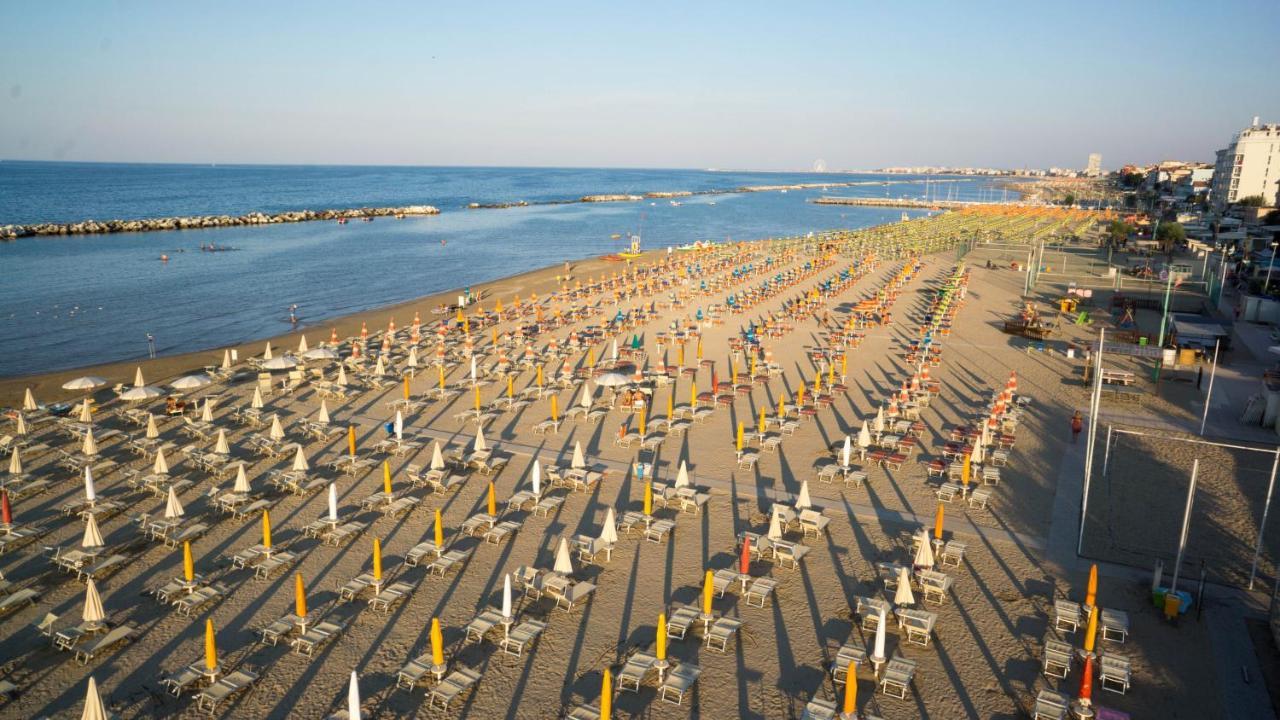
[
  {"x": 242, "y": 481},
  {"x": 256, "y": 402},
  {"x": 277, "y": 430},
  {"x": 153, "y": 431},
  {"x": 924, "y": 552},
  {"x": 878, "y": 656},
  {"x": 90, "y": 492},
  {"x": 141, "y": 392},
  {"x": 284, "y": 362},
  {"x": 506, "y": 596},
  {"x": 775, "y": 528},
  {"x": 609, "y": 533},
  {"x": 226, "y": 359},
  {"x": 864, "y": 436},
  {"x": 537, "y": 476},
  {"x": 379, "y": 368},
  {"x": 90, "y": 446},
  {"x": 802, "y": 500},
  {"x": 579, "y": 462},
  {"x": 846, "y": 452},
  {"x": 979, "y": 453},
  {"x": 222, "y": 447},
  {"x": 564, "y": 563},
  {"x": 878, "y": 425},
  {"x": 323, "y": 417},
  {"x": 480, "y": 444},
  {"x": 300, "y": 463},
  {"x": 93, "y": 707},
  {"x": 93, "y": 611},
  {"x": 137, "y": 378},
  {"x": 15, "y": 462},
  {"x": 585, "y": 400},
  {"x": 92, "y": 535},
  {"x": 903, "y": 597},
  {"x": 437, "y": 459},
  {"x": 87, "y": 382},
  {"x": 413, "y": 357},
  {"x": 266, "y": 355},
  {"x": 206, "y": 410},
  {"x": 333, "y": 502},
  {"x": 473, "y": 369},
  {"x": 29, "y": 401},
  {"x": 613, "y": 352},
  {"x": 302, "y": 344},
  {"x": 190, "y": 382},
  {"x": 86, "y": 411},
  {"x": 682, "y": 475},
  {"x": 161, "y": 465},
  {"x": 398, "y": 425},
  {"x": 173, "y": 507},
  {"x": 353, "y": 691},
  {"x": 21, "y": 423},
  {"x": 342, "y": 376}
]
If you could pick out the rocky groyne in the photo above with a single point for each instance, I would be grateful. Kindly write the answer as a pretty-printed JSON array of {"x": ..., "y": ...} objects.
[{"x": 193, "y": 222}]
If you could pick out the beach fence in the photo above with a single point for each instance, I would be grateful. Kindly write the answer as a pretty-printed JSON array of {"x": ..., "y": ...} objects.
[{"x": 1138, "y": 495}]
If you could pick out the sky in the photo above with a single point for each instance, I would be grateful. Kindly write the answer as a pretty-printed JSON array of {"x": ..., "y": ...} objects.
[{"x": 758, "y": 85}]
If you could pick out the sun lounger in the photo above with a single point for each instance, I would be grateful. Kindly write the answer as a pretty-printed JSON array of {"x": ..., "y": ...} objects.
[
  {"x": 869, "y": 609},
  {"x": 591, "y": 548},
  {"x": 813, "y": 522},
  {"x": 103, "y": 568},
  {"x": 658, "y": 530},
  {"x": 679, "y": 621},
  {"x": 482, "y": 624},
  {"x": 211, "y": 697},
  {"x": 819, "y": 709},
  {"x": 477, "y": 524},
  {"x": 678, "y": 682},
  {"x": 354, "y": 587},
  {"x": 578, "y": 594},
  {"x": 179, "y": 681},
  {"x": 188, "y": 604},
  {"x": 272, "y": 633},
  {"x": 1057, "y": 658},
  {"x": 421, "y": 551},
  {"x": 1115, "y": 673},
  {"x": 190, "y": 532},
  {"x": 1050, "y": 705},
  {"x": 850, "y": 652},
  {"x": 548, "y": 505},
  {"x": 759, "y": 591},
  {"x": 450, "y": 560},
  {"x": 1066, "y": 615},
  {"x": 116, "y": 636},
  {"x": 722, "y": 580},
  {"x": 1114, "y": 625},
  {"x": 631, "y": 520},
  {"x": 412, "y": 673},
  {"x": 314, "y": 638},
  {"x": 935, "y": 585},
  {"x": 636, "y": 670},
  {"x": 454, "y": 685},
  {"x": 952, "y": 554},
  {"x": 344, "y": 533},
  {"x": 917, "y": 625},
  {"x": 789, "y": 554},
  {"x": 15, "y": 600},
  {"x": 522, "y": 636},
  {"x": 979, "y": 498},
  {"x": 390, "y": 595},
  {"x": 269, "y": 565},
  {"x": 897, "y": 677},
  {"x": 500, "y": 532},
  {"x": 721, "y": 633}
]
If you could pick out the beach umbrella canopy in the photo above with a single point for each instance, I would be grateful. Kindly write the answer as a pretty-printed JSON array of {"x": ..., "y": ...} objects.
[
  {"x": 266, "y": 354},
  {"x": 613, "y": 379},
  {"x": 585, "y": 400},
  {"x": 864, "y": 436},
  {"x": 89, "y": 447},
  {"x": 161, "y": 465},
  {"x": 924, "y": 552},
  {"x": 979, "y": 453},
  {"x": 536, "y": 477},
  {"x": 323, "y": 417},
  {"x": 256, "y": 402},
  {"x": 333, "y": 502},
  {"x": 153, "y": 431},
  {"x": 437, "y": 459},
  {"x": 88, "y": 382},
  {"x": 802, "y": 500},
  {"x": 775, "y": 528},
  {"x": 878, "y": 423},
  {"x": 93, "y": 707},
  {"x": 172, "y": 507},
  {"x": 190, "y": 382},
  {"x": 479, "y": 444},
  {"x": 846, "y": 452},
  {"x": 302, "y": 344},
  {"x": 29, "y": 401},
  {"x": 413, "y": 357},
  {"x": 903, "y": 597},
  {"x": 92, "y": 535},
  {"x": 277, "y": 430},
  {"x": 379, "y": 368},
  {"x": 320, "y": 353},
  {"x": 93, "y": 611},
  {"x": 579, "y": 462},
  {"x": 353, "y": 698},
  {"x": 682, "y": 475},
  {"x": 609, "y": 533},
  {"x": 564, "y": 563},
  {"x": 141, "y": 392},
  {"x": 242, "y": 481},
  {"x": 300, "y": 461},
  {"x": 342, "y": 376},
  {"x": 221, "y": 446},
  {"x": 90, "y": 492},
  {"x": 226, "y": 359},
  {"x": 86, "y": 412},
  {"x": 506, "y": 596},
  {"x": 21, "y": 423},
  {"x": 15, "y": 462},
  {"x": 878, "y": 653},
  {"x": 206, "y": 410},
  {"x": 137, "y": 378}
]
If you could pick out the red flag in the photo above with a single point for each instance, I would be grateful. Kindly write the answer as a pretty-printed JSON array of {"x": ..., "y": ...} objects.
[{"x": 6, "y": 512}]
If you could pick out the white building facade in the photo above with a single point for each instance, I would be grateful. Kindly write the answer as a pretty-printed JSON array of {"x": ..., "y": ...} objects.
[{"x": 1249, "y": 166}]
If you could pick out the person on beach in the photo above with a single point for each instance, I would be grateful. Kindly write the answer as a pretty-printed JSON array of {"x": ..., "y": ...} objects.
[{"x": 1077, "y": 424}]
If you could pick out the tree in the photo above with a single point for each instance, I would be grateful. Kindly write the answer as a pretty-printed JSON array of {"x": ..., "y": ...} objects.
[
  {"x": 1069, "y": 200},
  {"x": 1118, "y": 231},
  {"x": 1169, "y": 234},
  {"x": 1252, "y": 201}
]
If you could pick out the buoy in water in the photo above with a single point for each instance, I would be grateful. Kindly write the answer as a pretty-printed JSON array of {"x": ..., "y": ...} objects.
[{"x": 164, "y": 258}]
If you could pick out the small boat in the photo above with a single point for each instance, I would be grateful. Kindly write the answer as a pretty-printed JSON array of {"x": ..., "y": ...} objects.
[
  {"x": 342, "y": 221},
  {"x": 675, "y": 204}
]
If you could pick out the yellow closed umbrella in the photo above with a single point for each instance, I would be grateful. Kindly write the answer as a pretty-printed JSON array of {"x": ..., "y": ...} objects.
[
  {"x": 299, "y": 597},
  {"x": 741, "y": 432},
  {"x": 377, "y": 559},
  {"x": 831, "y": 374},
  {"x": 937, "y": 522},
  {"x": 642, "y": 422},
  {"x": 351, "y": 439},
  {"x": 800, "y": 395},
  {"x": 210, "y": 646},
  {"x": 964, "y": 472},
  {"x": 648, "y": 497},
  {"x": 477, "y": 395},
  {"x": 662, "y": 636},
  {"x": 817, "y": 385},
  {"x": 439, "y": 531},
  {"x": 493, "y": 501},
  {"x": 188, "y": 565},
  {"x": 782, "y": 409},
  {"x": 555, "y": 410},
  {"x": 1091, "y": 592},
  {"x": 680, "y": 359},
  {"x": 699, "y": 348},
  {"x": 386, "y": 477},
  {"x": 708, "y": 592},
  {"x": 437, "y": 643},
  {"x": 764, "y": 420},
  {"x": 753, "y": 366},
  {"x": 844, "y": 366},
  {"x": 693, "y": 395},
  {"x": 671, "y": 404},
  {"x": 266, "y": 529},
  {"x": 591, "y": 357},
  {"x": 511, "y": 386},
  {"x": 539, "y": 376},
  {"x": 441, "y": 369},
  {"x": 606, "y": 696},
  {"x": 850, "y": 691},
  {"x": 1091, "y": 630},
  {"x": 733, "y": 372},
  {"x": 406, "y": 387}
]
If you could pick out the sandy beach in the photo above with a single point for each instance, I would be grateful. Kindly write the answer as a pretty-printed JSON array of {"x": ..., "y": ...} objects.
[{"x": 982, "y": 657}]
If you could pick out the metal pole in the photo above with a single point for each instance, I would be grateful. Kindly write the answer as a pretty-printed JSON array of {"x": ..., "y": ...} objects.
[
  {"x": 1209, "y": 394},
  {"x": 1106, "y": 453},
  {"x": 1091, "y": 441},
  {"x": 1270, "y": 262},
  {"x": 1186, "y": 525},
  {"x": 1266, "y": 509},
  {"x": 1164, "y": 314}
]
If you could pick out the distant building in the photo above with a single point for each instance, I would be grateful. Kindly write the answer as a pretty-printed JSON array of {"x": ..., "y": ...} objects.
[
  {"x": 1094, "y": 168},
  {"x": 1249, "y": 166}
]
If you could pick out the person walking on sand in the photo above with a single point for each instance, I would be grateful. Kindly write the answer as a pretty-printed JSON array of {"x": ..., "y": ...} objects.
[{"x": 1077, "y": 424}]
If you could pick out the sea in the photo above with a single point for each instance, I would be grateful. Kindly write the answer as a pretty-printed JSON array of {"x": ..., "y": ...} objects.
[{"x": 72, "y": 301}]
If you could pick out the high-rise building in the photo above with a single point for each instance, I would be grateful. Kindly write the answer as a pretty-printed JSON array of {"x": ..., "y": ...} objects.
[
  {"x": 1094, "y": 168},
  {"x": 1249, "y": 166}
]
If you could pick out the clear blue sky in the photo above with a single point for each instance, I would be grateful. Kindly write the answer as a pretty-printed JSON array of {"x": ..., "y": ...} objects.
[{"x": 741, "y": 84}]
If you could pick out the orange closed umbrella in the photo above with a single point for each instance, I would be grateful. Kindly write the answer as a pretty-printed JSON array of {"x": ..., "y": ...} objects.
[
  {"x": 437, "y": 643},
  {"x": 662, "y": 636},
  {"x": 188, "y": 565},
  {"x": 439, "y": 530},
  {"x": 1091, "y": 630},
  {"x": 299, "y": 597},
  {"x": 850, "y": 691},
  {"x": 210, "y": 646},
  {"x": 377, "y": 559},
  {"x": 351, "y": 439},
  {"x": 744, "y": 561},
  {"x": 493, "y": 501},
  {"x": 1091, "y": 593},
  {"x": 606, "y": 696},
  {"x": 266, "y": 529},
  {"x": 937, "y": 522}
]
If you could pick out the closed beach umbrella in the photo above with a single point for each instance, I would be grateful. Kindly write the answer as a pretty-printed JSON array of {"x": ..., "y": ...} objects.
[
  {"x": 437, "y": 529},
  {"x": 585, "y": 401},
  {"x": 878, "y": 650},
  {"x": 606, "y": 696},
  {"x": 21, "y": 423},
  {"x": 846, "y": 452},
  {"x": 802, "y": 501},
  {"x": 437, "y": 459},
  {"x": 775, "y": 528},
  {"x": 188, "y": 563},
  {"x": 92, "y": 535},
  {"x": 142, "y": 392},
  {"x": 413, "y": 358},
  {"x": 386, "y": 485},
  {"x": 979, "y": 453},
  {"x": 398, "y": 425},
  {"x": 878, "y": 423},
  {"x": 190, "y": 382},
  {"x": 89, "y": 447},
  {"x": 300, "y": 461},
  {"x": 29, "y": 401},
  {"x": 90, "y": 492},
  {"x": 6, "y": 511},
  {"x": 537, "y": 477},
  {"x": 93, "y": 611},
  {"x": 648, "y": 497},
  {"x": 210, "y": 646},
  {"x": 850, "y": 707},
  {"x": 299, "y": 596},
  {"x": 924, "y": 552},
  {"x": 153, "y": 431},
  {"x": 160, "y": 466},
  {"x": 377, "y": 559},
  {"x": 479, "y": 444},
  {"x": 323, "y": 417},
  {"x": 242, "y": 481},
  {"x": 93, "y": 707},
  {"x": 351, "y": 440},
  {"x": 609, "y": 533},
  {"x": 266, "y": 354},
  {"x": 226, "y": 359},
  {"x": 87, "y": 382},
  {"x": 903, "y": 597},
  {"x": 708, "y": 592},
  {"x": 379, "y": 368},
  {"x": 137, "y": 377},
  {"x": 353, "y": 697},
  {"x": 437, "y": 643},
  {"x": 302, "y": 344},
  {"x": 277, "y": 430},
  {"x": 1091, "y": 589},
  {"x": 266, "y": 529},
  {"x": 506, "y": 596},
  {"x": 342, "y": 376},
  {"x": 473, "y": 369},
  {"x": 613, "y": 351},
  {"x": 579, "y": 462},
  {"x": 744, "y": 559},
  {"x": 221, "y": 446},
  {"x": 206, "y": 410},
  {"x": 682, "y": 475},
  {"x": 86, "y": 411},
  {"x": 333, "y": 502},
  {"x": 564, "y": 563},
  {"x": 256, "y": 402},
  {"x": 15, "y": 462},
  {"x": 173, "y": 507}
]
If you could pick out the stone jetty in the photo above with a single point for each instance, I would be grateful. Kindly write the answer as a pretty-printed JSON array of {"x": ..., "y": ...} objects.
[{"x": 192, "y": 222}]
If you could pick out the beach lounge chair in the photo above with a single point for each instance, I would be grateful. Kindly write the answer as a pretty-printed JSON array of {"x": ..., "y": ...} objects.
[
  {"x": 450, "y": 560},
  {"x": 678, "y": 682},
  {"x": 15, "y": 600},
  {"x": 1115, "y": 673},
  {"x": 721, "y": 633},
  {"x": 1057, "y": 658},
  {"x": 269, "y": 565},
  {"x": 979, "y": 498},
  {"x": 453, "y": 686},
  {"x": 521, "y": 637},
  {"x": 272, "y": 633},
  {"x": 591, "y": 548},
  {"x": 636, "y": 670},
  {"x": 1114, "y": 625},
  {"x": 211, "y": 697},
  {"x": 177, "y": 682},
  {"x": 500, "y": 532},
  {"x": 789, "y": 555},
  {"x": 759, "y": 591},
  {"x": 114, "y": 637},
  {"x": 578, "y": 594},
  {"x": 935, "y": 585},
  {"x": 1050, "y": 705},
  {"x": 658, "y": 530},
  {"x": 869, "y": 609},
  {"x": 421, "y": 551},
  {"x": 679, "y": 621},
  {"x": 917, "y": 624},
  {"x": 897, "y": 677},
  {"x": 819, "y": 709},
  {"x": 813, "y": 522},
  {"x": 952, "y": 554},
  {"x": 548, "y": 505},
  {"x": 412, "y": 673},
  {"x": 722, "y": 580},
  {"x": 390, "y": 595},
  {"x": 477, "y": 524},
  {"x": 947, "y": 492},
  {"x": 355, "y": 586},
  {"x": 344, "y": 533},
  {"x": 850, "y": 652},
  {"x": 1066, "y": 615},
  {"x": 316, "y": 637},
  {"x": 481, "y": 625},
  {"x": 188, "y": 604}
]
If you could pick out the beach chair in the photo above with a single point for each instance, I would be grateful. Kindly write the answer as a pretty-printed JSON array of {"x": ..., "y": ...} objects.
[
  {"x": 1115, "y": 673},
  {"x": 1114, "y": 625},
  {"x": 979, "y": 498},
  {"x": 851, "y": 652},
  {"x": 453, "y": 686},
  {"x": 344, "y": 533},
  {"x": 678, "y": 682},
  {"x": 188, "y": 604},
  {"x": 266, "y": 567},
  {"x": 272, "y": 633},
  {"x": 548, "y": 505},
  {"x": 722, "y": 580},
  {"x": 636, "y": 670},
  {"x": 1050, "y": 705},
  {"x": 952, "y": 554},
  {"x": 481, "y": 625},
  {"x": 947, "y": 492},
  {"x": 935, "y": 585},
  {"x": 316, "y": 637},
  {"x": 355, "y": 587},
  {"x": 179, "y": 681},
  {"x": 211, "y": 697},
  {"x": 789, "y": 555},
  {"x": 759, "y": 591},
  {"x": 116, "y": 636},
  {"x": 917, "y": 625},
  {"x": 1066, "y": 615},
  {"x": 819, "y": 709},
  {"x": 1057, "y": 659},
  {"x": 412, "y": 673},
  {"x": 679, "y": 621},
  {"x": 448, "y": 561},
  {"x": 501, "y": 532},
  {"x": 813, "y": 522},
  {"x": 17, "y": 599},
  {"x": 390, "y": 595},
  {"x": 658, "y": 530},
  {"x": 897, "y": 677},
  {"x": 521, "y": 637},
  {"x": 421, "y": 551},
  {"x": 721, "y": 633},
  {"x": 578, "y": 594},
  {"x": 869, "y": 609}
]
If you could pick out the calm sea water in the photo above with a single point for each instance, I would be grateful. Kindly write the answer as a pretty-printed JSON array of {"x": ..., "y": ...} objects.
[{"x": 78, "y": 300}]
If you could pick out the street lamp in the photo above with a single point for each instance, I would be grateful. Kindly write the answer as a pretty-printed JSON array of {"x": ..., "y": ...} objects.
[{"x": 1270, "y": 262}]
